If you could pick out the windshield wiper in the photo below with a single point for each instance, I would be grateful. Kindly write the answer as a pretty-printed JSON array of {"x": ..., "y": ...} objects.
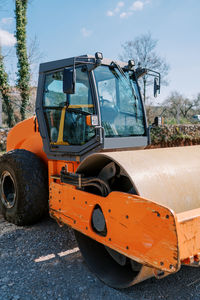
[
  {"x": 136, "y": 98},
  {"x": 114, "y": 64}
]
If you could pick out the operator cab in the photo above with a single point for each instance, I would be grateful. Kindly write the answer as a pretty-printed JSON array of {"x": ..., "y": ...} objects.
[{"x": 86, "y": 104}]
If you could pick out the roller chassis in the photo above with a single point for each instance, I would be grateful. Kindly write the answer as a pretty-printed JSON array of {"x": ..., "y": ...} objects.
[{"x": 135, "y": 213}]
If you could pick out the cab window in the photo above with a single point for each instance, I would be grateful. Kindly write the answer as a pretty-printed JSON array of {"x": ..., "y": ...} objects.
[{"x": 65, "y": 115}]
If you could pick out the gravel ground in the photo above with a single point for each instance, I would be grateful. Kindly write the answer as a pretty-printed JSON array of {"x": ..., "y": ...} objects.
[{"x": 24, "y": 275}]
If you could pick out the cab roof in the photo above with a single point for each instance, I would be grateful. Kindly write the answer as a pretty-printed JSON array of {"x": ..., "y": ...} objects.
[{"x": 67, "y": 62}]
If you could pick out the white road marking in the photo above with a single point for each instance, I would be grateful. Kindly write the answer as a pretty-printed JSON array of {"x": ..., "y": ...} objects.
[
  {"x": 61, "y": 254},
  {"x": 43, "y": 258}
]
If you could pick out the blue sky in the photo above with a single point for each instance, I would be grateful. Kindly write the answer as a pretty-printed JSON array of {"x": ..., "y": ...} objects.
[{"x": 67, "y": 28}]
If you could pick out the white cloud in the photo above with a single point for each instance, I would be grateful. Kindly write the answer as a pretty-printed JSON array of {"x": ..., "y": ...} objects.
[
  {"x": 111, "y": 13},
  {"x": 125, "y": 15},
  {"x": 137, "y": 5},
  {"x": 7, "y": 38},
  {"x": 119, "y": 6},
  {"x": 6, "y": 21},
  {"x": 85, "y": 32}
]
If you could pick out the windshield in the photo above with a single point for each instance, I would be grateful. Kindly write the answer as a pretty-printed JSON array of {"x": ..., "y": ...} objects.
[{"x": 120, "y": 103}]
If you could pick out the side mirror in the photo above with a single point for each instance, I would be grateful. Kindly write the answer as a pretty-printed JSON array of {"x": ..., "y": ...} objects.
[
  {"x": 69, "y": 81},
  {"x": 156, "y": 89}
]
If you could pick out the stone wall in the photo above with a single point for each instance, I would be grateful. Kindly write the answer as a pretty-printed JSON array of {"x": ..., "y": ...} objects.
[
  {"x": 161, "y": 136},
  {"x": 175, "y": 135}
]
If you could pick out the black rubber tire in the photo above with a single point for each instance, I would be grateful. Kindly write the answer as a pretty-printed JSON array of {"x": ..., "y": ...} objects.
[{"x": 30, "y": 180}]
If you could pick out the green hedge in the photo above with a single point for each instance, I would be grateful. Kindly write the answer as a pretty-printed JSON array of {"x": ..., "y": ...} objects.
[{"x": 175, "y": 135}]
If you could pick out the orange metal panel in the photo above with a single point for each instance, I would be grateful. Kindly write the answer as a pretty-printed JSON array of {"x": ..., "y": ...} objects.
[
  {"x": 189, "y": 235},
  {"x": 25, "y": 135},
  {"x": 136, "y": 227},
  {"x": 170, "y": 177}
]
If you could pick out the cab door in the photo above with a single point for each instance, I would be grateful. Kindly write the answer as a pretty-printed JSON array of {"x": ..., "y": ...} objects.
[{"x": 62, "y": 118}]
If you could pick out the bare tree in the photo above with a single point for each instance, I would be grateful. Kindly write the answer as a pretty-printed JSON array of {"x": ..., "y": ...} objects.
[
  {"x": 173, "y": 104},
  {"x": 186, "y": 107},
  {"x": 178, "y": 106},
  {"x": 197, "y": 102},
  {"x": 143, "y": 50},
  {"x": 34, "y": 57}
]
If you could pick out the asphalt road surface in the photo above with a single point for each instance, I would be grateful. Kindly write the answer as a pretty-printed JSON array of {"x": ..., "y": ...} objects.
[{"x": 43, "y": 262}]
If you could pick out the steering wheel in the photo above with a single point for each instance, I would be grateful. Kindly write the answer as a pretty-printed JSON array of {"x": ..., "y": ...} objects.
[
  {"x": 76, "y": 125},
  {"x": 78, "y": 111}
]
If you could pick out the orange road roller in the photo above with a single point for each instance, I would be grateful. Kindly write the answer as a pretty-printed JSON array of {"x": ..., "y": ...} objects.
[{"x": 135, "y": 211}]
